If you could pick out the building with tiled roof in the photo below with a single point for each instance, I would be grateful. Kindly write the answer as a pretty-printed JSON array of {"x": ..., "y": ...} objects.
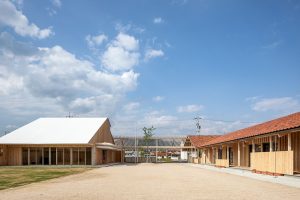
[{"x": 269, "y": 147}]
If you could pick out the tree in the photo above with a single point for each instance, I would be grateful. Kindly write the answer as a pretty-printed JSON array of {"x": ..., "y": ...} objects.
[{"x": 148, "y": 134}]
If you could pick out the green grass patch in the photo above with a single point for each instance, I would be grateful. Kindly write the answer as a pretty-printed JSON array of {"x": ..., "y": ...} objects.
[{"x": 18, "y": 176}]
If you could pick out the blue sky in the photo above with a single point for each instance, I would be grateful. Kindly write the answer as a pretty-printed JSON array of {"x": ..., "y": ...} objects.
[{"x": 145, "y": 63}]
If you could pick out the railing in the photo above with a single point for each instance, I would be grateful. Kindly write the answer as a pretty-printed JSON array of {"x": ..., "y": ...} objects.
[
  {"x": 275, "y": 162},
  {"x": 222, "y": 162}
]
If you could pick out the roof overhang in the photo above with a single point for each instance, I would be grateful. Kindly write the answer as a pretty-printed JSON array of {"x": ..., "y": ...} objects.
[{"x": 107, "y": 146}]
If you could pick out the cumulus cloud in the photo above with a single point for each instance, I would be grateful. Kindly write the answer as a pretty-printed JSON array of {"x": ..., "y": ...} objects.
[
  {"x": 158, "y": 20},
  {"x": 276, "y": 104},
  {"x": 53, "y": 80},
  {"x": 158, "y": 98},
  {"x": 10, "y": 16},
  {"x": 189, "y": 108},
  {"x": 131, "y": 106},
  {"x": 153, "y": 53},
  {"x": 96, "y": 40},
  {"x": 121, "y": 54}
]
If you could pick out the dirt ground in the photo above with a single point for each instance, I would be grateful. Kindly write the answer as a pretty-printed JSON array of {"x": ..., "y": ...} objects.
[{"x": 151, "y": 181}]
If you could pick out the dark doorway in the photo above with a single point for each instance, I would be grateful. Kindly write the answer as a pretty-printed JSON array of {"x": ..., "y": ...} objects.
[
  {"x": 104, "y": 156},
  {"x": 250, "y": 151},
  {"x": 46, "y": 156}
]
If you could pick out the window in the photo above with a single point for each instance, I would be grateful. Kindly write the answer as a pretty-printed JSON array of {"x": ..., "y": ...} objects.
[
  {"x": 266, "y": 147},
  {"x": 1, "y": 151},
  {"x": 257, "y": 147},
  {"x": 219, "y": 153}
]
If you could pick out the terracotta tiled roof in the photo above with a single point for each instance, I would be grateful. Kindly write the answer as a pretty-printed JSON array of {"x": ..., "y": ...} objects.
[
  {"x": 280, "y": 124},
  {"x": 199, "y": 140}
]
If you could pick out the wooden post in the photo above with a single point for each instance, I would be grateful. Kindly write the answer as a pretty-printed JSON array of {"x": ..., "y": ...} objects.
[
  {"x": 271, "y": 145},
  {"x": 253, "y": 146},
  {"x": 36, "y": 150},
  {"x": 94, "y": 155},
  {"x": 156, "y": 151},
  {"x": 85, "y": 156},
  {"x": 239, "y": 154},
  {"x": 71, "y": 156},
  {"x": 49, "y": 155},
  {"x": 227, "y": 152},
  {"x": 78, "y": 156},
  {"x": 63, "y": 156},
  {"x": 28, "y": 154},
  {"x": 56, "y": 156},
  {"x": 289, "y": 142},
  {"x": 43, "y": 156},
  {"x": 275, "y": 141}
]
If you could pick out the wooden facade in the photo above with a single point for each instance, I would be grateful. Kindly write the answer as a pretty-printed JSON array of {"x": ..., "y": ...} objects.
[
  {"x": 277, "y": 153},
  {"x": 64, "y": 154}
]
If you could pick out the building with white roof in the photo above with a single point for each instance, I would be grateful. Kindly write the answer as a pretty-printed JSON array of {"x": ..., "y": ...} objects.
[{"x": 60, "y": 141}]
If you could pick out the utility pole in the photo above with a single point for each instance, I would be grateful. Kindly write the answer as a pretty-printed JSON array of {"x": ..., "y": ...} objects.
[{"x": 198, "y": 126}]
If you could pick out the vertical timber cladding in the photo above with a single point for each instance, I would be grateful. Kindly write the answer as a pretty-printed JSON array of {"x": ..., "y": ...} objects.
[
  {"x": 3, "y": 155},
  {"x": 296, "y": 150},
  {"x": 14, "y": 156}
]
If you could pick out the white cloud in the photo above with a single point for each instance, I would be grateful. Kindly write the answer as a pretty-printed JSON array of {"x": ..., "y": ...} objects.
[
  {"x": 121, "y": 54},
  {"x": 56, "y": 3},
  {"x": 96, "y": 40},
  {"x": 276, "y": 104},
  {"x": 54, "y": 81},
  {"x": 132, "y": 106},
  {"x": 158, "y": 98},
  {"x": 158, "y": 20},
  {"x": 10, "y": 16},
  {"x": 153, "y": 53},
  {"x": 127, "y": 42},
  {"x": 190, "y": 108}
]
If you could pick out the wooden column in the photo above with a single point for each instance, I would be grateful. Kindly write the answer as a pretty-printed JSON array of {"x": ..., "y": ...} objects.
[
  {"x": 63, "y": 156},
  {"x": 253, "y": 146},
  {"x": 271, "y": 145},
  {"x": 156, "y": 151},
  {"x": 56, "y": 156},
  {"x": 43, "y": 156},
  {"x": 289, "y": 142},
  {"x": 36, "y": 150},
  {"x": 85, "y": 156},
  {"x": 227, "y": 158},
  {"x": 28, "y": 154},
  {"x": 239, "y": 154},
  {"x": 71, "y": 156},
  {"x": 49, "y": 156},
  {"x": 94, "y": 155},
  {"x": 78, "y": 155}
]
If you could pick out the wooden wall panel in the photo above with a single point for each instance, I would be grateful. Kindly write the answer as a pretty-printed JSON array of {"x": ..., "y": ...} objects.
[
  {"x": 3, "y": 155},
  {"x": 103, "y": 134},
  {"x": 14, "y": 156},
  {"x": 275, "y": 162},
  {"x": 296, "y": 149}
]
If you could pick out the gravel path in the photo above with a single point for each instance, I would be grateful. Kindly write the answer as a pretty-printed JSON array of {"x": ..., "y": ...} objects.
[{"x": 151, "y": 181}]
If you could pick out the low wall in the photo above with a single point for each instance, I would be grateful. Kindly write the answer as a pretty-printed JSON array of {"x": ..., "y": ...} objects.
[
  {"x": 275, "y": 162},
  {"x": 222, "y": 162}
]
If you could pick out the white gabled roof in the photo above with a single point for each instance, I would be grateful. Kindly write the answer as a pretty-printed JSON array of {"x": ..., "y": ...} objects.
[{"x": 55, "y": 131}]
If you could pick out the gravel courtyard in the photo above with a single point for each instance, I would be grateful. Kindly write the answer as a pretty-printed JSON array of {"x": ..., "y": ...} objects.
[{"x": 151, "y": 181}]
